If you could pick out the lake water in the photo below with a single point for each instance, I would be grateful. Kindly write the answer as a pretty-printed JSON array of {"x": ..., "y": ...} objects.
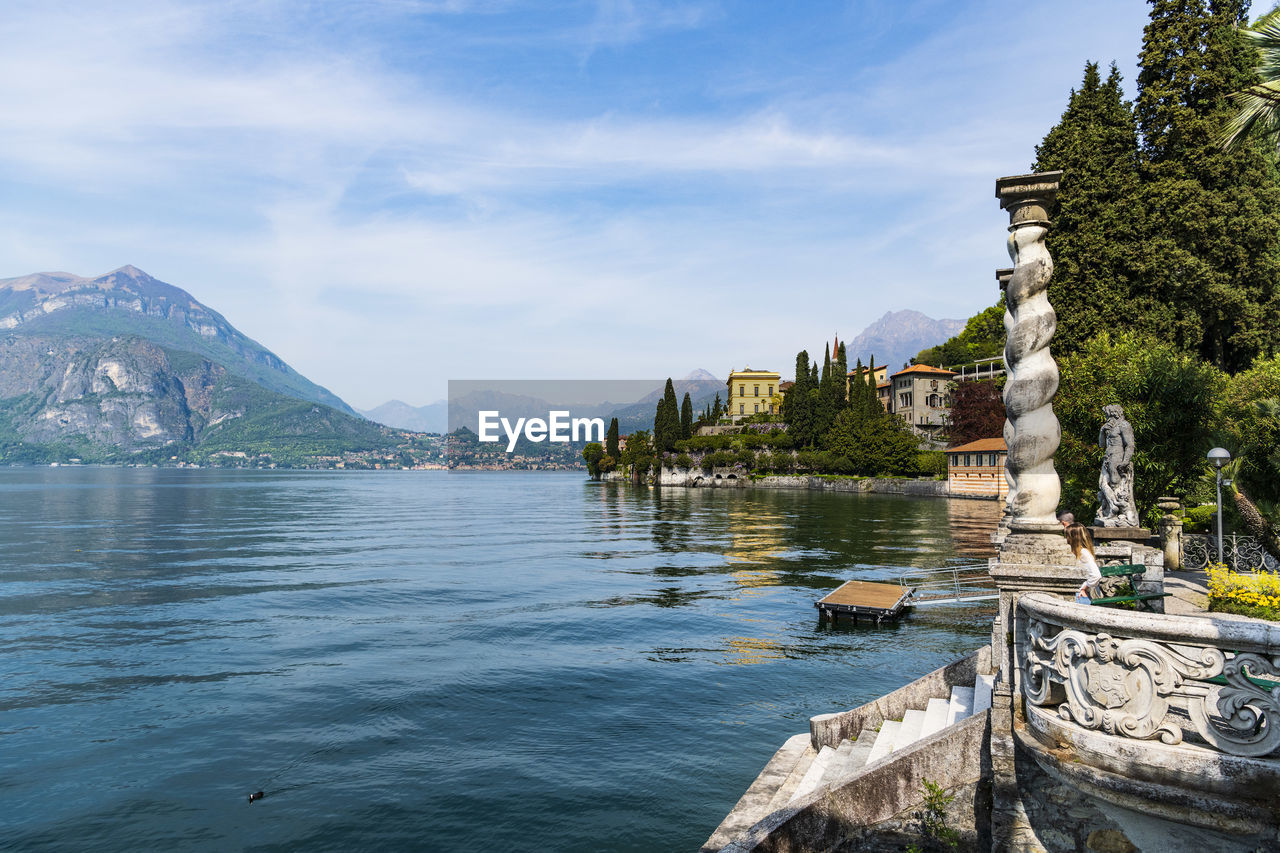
[{"x": 430, "y": 660}]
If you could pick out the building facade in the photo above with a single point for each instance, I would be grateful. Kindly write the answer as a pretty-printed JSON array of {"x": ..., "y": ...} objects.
[
  {"x": 921, "y": 396},
  {"x": 976, "y": 469},
  {"x": 752, "y": 392}
]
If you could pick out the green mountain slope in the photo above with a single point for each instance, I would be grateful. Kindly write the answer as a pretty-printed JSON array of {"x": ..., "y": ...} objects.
[{"x": 128, "y": 302}]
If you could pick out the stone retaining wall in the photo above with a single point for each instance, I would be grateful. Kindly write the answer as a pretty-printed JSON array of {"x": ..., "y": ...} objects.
[{"x": 732, "y": 478}]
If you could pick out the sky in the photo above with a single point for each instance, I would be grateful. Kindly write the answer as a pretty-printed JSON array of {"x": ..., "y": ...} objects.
[{"x": 390, "y": 194}]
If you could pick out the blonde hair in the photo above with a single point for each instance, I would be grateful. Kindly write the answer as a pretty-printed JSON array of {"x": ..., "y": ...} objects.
[{"x": 1079, "y": 537}]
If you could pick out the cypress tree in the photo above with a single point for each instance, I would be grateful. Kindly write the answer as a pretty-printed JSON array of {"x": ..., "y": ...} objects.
[
  {"x": 611, "y": 440},
  {"x": 717, "y": 408},
  {"x": 842, "y": 377},
  {"x": 686, "y": 416},
  {"x": 826, "y": 411},
  {"x": 670, "y": 414},
  {"x": 1214, "y": 216},
  {"x": 796, "y": 405},
  {"x": 1096, "y": 239}
]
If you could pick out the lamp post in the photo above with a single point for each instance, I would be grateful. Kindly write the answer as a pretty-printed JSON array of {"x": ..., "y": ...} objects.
[{"x": 1219, "y": 457}]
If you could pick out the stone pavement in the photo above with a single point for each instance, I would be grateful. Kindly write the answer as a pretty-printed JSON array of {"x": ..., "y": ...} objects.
[{"x": 1190, "y": 593}]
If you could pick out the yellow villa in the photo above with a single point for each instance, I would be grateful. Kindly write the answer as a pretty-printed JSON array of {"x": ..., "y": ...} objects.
[{"x": 752, "y": 392}]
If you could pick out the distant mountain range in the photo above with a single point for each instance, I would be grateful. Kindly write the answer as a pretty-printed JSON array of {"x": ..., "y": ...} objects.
[
  {"x": 448, "y": 415},
  {"x": 433, "y": 417},
  {"x": 126, "y": 368},
  {"x": 898, "y": 337}
]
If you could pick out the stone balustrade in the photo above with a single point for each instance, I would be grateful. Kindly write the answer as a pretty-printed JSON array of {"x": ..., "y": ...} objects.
[{"x": 1214, "y": 683}]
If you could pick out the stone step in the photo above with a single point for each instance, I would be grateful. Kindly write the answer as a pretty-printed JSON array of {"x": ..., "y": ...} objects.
[
  {"x": 813, "y": 777},
  {"x": 961, "y": 704},
  {"x": 788, "y": 787},
  {"x": 909, "y": 733},
  {"x": 849, "y": 763},
  {"x": 935, "y": 717},
  {"x": 982, "y": 687},
  {"x": 883, "y": 744}
]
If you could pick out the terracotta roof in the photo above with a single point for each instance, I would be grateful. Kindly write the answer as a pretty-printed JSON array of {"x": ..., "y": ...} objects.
[
  {"x": 884, "y": 385},
  {"x": 924, "y": 368},
  {"x": 982, "y": 445}
]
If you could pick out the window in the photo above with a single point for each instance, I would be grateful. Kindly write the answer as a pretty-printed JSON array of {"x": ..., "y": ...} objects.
[
  {"x": 991, "y": 457},
  {"x": 742, "y": 390},
  {"x": 757, "y": 408},
  {"x": 742, "y": 408},
  {"x": 967, "y": 463},
  {"x": 757, "y": 391},
  {"x": 770, "y": 390},
  {"x": 955, "y": 459}
]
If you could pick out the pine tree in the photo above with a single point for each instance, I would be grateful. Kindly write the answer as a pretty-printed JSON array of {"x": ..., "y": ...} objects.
[
  {"x": 611, "y": 440},
  {"x": 1096, "y": 238},
  {"x": 1214, "y": 216},
  {"x": 686, "y": 416}
]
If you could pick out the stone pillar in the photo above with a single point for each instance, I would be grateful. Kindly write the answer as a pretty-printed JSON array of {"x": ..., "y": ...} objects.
[
  {"x": 1031, "y": 430},
  {"x": 1171, "y": 533}
]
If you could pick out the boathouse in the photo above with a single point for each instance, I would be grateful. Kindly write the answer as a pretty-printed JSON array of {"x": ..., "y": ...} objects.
[{"x": 976, "y": 469}]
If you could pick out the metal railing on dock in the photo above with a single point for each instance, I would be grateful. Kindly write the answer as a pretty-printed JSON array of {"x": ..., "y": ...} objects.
[{"x": 948, "y": 585}]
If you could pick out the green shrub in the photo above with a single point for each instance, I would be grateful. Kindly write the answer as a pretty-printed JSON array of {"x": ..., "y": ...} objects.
[
  {"x": 718, "y": 459},
  {"x": 684, "y": 460},
  {"x": 1200, "y": 519}
]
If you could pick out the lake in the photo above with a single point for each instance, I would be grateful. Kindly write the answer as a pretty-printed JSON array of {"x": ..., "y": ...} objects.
[{"x": 431, "y": 660}]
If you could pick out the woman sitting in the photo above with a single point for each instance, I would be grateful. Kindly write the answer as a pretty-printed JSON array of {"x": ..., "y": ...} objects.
[{"x": 1081, "y": 542}]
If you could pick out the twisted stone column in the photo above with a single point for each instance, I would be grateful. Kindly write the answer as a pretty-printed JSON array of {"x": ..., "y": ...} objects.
[{"x": 1031, "y": 430}]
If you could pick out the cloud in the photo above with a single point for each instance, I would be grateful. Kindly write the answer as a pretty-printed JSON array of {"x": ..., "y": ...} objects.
[{"x": 377, "y": 193}]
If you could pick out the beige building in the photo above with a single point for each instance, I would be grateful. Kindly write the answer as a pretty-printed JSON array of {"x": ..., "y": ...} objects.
[
  {"x": 752, "y": 392},
  {"x": 921, "y": 396},
  {"x": 879, "y": 373},
  {"x": 976, "y": 469}
]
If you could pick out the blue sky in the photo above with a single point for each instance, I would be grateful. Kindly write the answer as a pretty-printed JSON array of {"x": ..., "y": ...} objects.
[{"x": 392, "y": 194}]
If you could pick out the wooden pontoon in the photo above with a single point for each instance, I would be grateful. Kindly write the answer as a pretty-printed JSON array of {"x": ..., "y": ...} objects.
[{"x": 878, "y": 601}]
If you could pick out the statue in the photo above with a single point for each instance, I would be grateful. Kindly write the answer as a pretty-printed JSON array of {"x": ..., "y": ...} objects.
[{"x": 1116, "y": 507}]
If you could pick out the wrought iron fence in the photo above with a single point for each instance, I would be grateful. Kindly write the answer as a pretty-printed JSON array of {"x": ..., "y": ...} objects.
[{"x": 1241, "y": 553}]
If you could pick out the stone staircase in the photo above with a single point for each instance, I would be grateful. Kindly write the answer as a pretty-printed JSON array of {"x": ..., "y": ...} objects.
[
  {"x": 831, "y": 766},
  {"x": 798, "y": 770}
]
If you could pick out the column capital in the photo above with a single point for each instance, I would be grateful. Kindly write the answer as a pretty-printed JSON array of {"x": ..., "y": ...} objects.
[{"x": 1028, "y": 198}]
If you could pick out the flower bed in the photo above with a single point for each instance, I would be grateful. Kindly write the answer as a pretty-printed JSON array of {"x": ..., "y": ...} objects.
[{"x": 1255, "y": 594}]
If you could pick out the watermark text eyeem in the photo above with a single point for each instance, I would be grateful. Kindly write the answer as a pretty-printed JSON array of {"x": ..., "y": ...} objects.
[{"x": 558, "y": 427}]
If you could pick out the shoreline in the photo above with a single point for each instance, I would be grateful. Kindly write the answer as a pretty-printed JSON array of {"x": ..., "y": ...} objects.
[{"x": 728, "y": 478}]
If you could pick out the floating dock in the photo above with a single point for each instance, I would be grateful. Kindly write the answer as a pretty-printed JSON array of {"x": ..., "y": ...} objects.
[{"x": 878, "y": 601}]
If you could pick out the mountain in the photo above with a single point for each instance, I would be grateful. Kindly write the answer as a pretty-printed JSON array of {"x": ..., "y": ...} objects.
[
  {"x": 125, "y": 368},
  {"x": 127, "y": 301},
  {"x": 433, "y": 417},
  {"x": 897, "y": 337}
]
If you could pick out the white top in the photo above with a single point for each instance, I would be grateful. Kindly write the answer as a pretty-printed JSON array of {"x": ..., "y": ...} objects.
[{"x": 1090, "y": 565}]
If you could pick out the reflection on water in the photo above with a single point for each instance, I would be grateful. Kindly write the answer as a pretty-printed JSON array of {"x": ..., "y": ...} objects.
[
  {"x": 972, "y": 522},
  {"x": 496, "y": 661}
]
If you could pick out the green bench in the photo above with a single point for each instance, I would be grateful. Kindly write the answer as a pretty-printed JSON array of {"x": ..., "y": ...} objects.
[{"x": 1132, "y": 572}]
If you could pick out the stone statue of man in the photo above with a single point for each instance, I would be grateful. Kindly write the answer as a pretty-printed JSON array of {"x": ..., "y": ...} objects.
[{"x": 1116, "y": 507}]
